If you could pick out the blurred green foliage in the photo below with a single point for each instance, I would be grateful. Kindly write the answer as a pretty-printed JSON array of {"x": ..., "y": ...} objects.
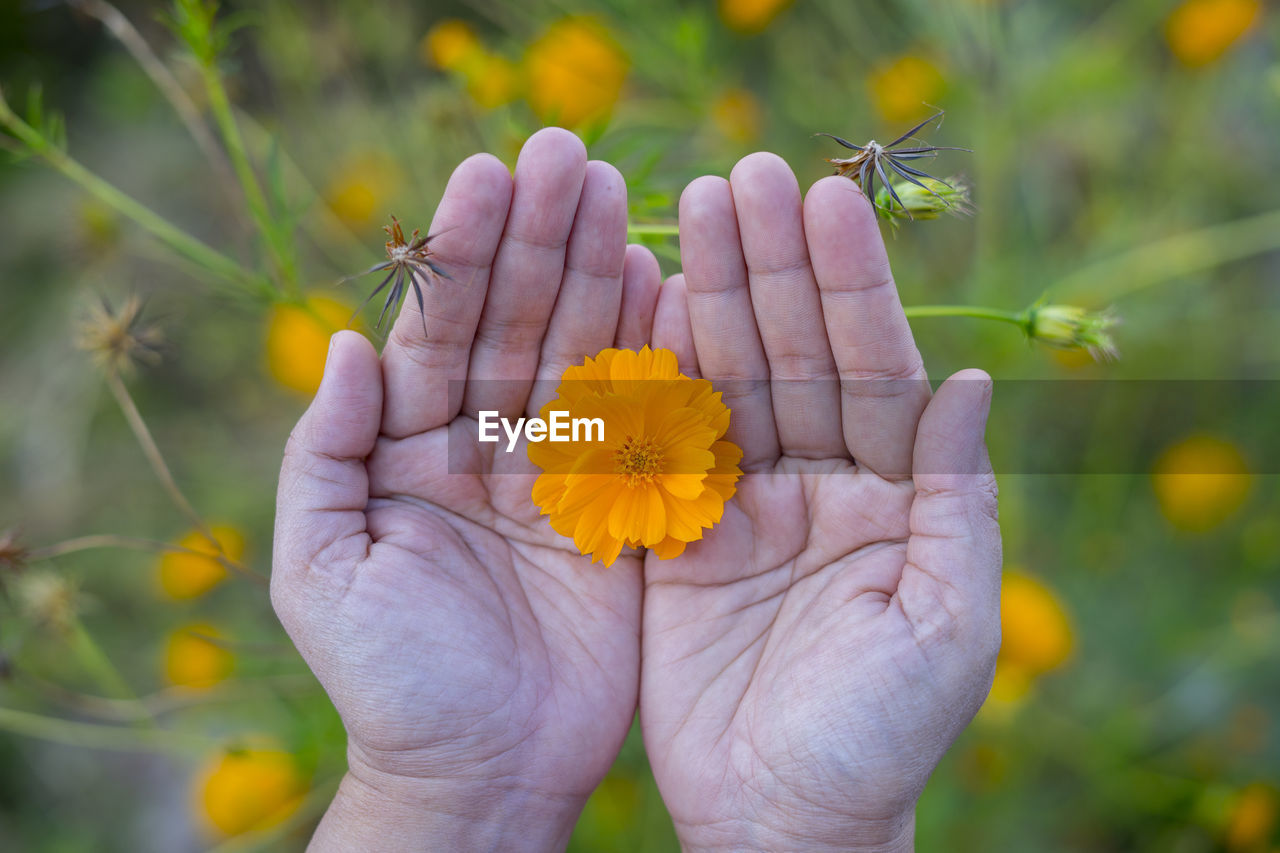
[{"x": 1123, "y": 157}]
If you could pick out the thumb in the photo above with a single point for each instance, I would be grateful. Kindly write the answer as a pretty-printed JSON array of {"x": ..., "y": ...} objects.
[
  {"x": 324, "y": 487},
  {"x": 955, "y": 537}
]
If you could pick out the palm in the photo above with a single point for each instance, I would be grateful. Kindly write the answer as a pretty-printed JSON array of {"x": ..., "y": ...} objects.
[
  {"x": 501, "y": 621},
  {"x": 806, "y": 665},
  {"x": 783, "y": 634}
]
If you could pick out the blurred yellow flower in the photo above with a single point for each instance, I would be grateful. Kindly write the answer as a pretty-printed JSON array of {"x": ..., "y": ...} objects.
[
  {"x": 1037, "y": 636},
  {"x": 1200, "y": 31},
  {"x": 492, "y": 80},
  {"x": 242, "y": 790},
  {"x": 902, "y": 89},
  {"x": 737, "y": 115},
  {"x": 361, "y": 186},
  {"x": 192, "y": 659},
  {"x": 575, "y": 72},
  {"x": 298, "y": 340},
  {"x": 750, "y": 16},
  {"x": 1252, "y": 820},
  {"x": 448, "y": 44},
  {"x": 185, "y": 575},
  {"x": 1200, "y": 482}
]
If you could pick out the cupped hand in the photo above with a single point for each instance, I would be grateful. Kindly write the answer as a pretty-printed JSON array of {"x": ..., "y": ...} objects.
[
  {"x": 486, "y": 674},
  {"x": 807, "y": 664}
]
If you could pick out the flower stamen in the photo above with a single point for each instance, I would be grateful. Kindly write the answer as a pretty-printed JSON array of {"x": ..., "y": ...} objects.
[{"x": 638, "y": 460}]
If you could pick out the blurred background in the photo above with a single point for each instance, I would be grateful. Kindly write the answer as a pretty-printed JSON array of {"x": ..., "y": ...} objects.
[{"x": 180, "y": 193}]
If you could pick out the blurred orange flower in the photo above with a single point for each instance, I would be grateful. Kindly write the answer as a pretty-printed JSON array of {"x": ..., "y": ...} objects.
[
  {"x": 737, "y": 115},
  {"x": 298, "y": 340},
  {"x": 448, "y": 44},
  {"x": 249, "y": 789},
  {"x": 361, "y": 187},
  {"x": 902, "y": 88},
  {"x": 1036, "y": 635},
  {"x": 1200, "y": 482},
  {"x": 1200, "y": 31},
  {"x": 750, "y": 16},
  {"x": 662, "y": 473},
  {"x": 193, "y": 659},
  {"x": 186, "y": 575},
  {"x": 1253, "y": 818},
  {"x": 575, "y": 72}
]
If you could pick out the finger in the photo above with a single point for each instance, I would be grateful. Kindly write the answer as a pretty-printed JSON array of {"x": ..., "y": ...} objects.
[
  {"x": 788, "y": 308},
  {"x": 526, "y": 272},
  {"x": 884, "y": 388},
  {"x": 720, "y": 314},
  {"x": 641, "y": 281},
  {"x": 671, "y": 328},
  {"x": 417, "y": 370},
  {"x": 585, "y": 316},
  {"x": 323, "y": 490},
  {"x": 953, "y": 554}
]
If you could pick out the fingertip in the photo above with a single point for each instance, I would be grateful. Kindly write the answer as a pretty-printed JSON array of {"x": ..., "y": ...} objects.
[
  {"x": 555, "y": 149},
  {"x": 704, "y": 198},
  {"x": 760, "y": 165}
]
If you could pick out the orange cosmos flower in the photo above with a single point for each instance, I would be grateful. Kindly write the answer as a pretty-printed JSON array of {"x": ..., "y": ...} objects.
[{"x": 661, "y": 474}]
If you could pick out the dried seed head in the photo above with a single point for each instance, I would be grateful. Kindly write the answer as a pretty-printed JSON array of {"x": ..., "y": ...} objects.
[
  {"x": 409, "y": 262},
  {"x": 119, "y": 339},
  {"x": 1072, "y": 327},
  {"x": 48, "y": 599},
  {"x": 878, "y": 161}
]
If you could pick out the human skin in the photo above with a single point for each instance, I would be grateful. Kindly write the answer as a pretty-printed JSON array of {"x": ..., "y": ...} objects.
[
  {"x": 807, "y": 664},
  {"x": 804, "y": 667}
]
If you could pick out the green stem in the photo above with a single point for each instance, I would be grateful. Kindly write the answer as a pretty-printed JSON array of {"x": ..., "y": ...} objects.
[
  {"x": 97, "y": 736},
  {"x": 1017, "y": 318},
  {"x": 277, "y": 243},
  {"x": 652, "y": 230},
  {"x": 175, "y": 238},
  {"x": 1172, "y": 257}
]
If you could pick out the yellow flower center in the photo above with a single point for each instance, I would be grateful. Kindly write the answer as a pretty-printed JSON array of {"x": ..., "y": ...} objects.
[{"x": 639, "y": 459}]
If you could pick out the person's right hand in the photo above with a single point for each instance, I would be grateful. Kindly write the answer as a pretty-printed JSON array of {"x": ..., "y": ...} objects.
[
  {"x": 485, "y": 671},
  {"x": 807, "y": 664}
]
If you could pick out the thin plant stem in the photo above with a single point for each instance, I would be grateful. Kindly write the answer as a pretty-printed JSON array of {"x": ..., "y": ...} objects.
[
  {"x": 155, "y": 458},
  {"x": 174, "y": 699},
  {"x": 652, "y": 230},
  {"x": 1017, "y": 318},
  {"x": 124, "y": 32},
  {"x": 112, "y": 540},
  {"x": 277, "y": 244},
  {"x": 98, "y": 736},
  {"x": 175, "y": 238}
]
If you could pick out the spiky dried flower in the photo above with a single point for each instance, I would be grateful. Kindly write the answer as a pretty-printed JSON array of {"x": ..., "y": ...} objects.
[
  {"x": 873, "y": 159},
  {"x": 118, "y": 339},
  {"x": 929, "y": 201},
  {"x": 406, "y": 260}
]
